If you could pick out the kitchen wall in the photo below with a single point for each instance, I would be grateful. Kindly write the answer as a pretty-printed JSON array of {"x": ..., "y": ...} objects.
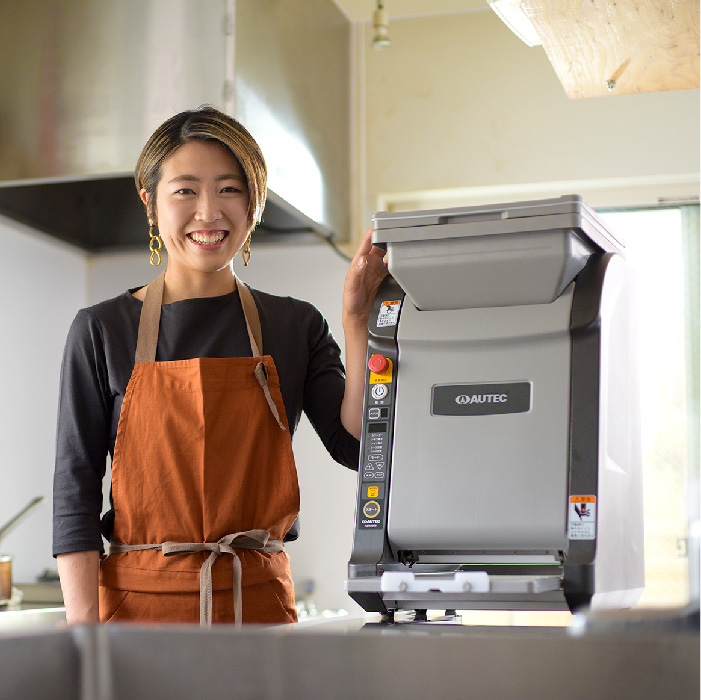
[
  {"x": 459, "y": 102},
  {"x": 45, "y": 284}
]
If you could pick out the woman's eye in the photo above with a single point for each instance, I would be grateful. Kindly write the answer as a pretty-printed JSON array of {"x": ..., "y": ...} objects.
[
  {"x": 184, "y": 190},
  {"x": 230, "y": 189}
]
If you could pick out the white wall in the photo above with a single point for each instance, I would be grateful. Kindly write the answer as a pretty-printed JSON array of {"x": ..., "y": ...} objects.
[
  {"x": 459, "y": 102},
  {"x": 44, "y": 284},
  {"x": 111, "y": 274}
]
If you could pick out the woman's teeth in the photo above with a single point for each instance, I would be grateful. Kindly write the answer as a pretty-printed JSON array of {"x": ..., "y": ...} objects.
[{"x": 207, "y": 238}]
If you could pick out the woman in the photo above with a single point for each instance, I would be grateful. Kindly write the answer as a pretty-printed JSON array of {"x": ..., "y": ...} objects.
[{"x": 194, "y": 385}]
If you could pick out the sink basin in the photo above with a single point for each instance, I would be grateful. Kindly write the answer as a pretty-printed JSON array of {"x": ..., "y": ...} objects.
[{"x": 32, "y": 617}]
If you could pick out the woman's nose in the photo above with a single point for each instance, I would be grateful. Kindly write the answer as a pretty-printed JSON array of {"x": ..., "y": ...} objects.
[{"x": 208, "y": 209}]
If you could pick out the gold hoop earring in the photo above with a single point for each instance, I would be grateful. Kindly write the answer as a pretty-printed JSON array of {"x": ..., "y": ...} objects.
[
  {"x": 246, "y": 251},
  {"x": 154, "y": 245}
]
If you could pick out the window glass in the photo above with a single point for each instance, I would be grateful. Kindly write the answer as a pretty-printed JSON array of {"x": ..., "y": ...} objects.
[{"x": 653, "y": 240}]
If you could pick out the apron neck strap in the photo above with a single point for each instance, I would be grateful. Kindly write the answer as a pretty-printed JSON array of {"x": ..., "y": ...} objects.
[
  {"x": 250, "y": 312},
  {"x": 149, "y": 322}
]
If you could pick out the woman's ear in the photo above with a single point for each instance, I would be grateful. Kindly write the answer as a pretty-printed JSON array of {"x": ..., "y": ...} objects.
[{"x": 146, "y": 199}]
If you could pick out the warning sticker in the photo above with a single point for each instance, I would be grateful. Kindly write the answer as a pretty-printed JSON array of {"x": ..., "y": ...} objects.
[
  {"x": 582, "y": 518},
  {"x": 389, "y": 314}
]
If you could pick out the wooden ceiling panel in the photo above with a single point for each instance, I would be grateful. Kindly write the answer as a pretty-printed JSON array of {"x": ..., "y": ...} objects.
[{"x": 622, "y": 46}]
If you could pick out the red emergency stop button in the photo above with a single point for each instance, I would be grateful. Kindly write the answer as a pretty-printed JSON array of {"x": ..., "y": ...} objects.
[{"x": 378, "y": 364}]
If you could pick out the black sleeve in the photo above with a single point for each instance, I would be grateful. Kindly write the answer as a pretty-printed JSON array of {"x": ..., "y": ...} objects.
[
  {"x": 323, "y": 390},
  {"x": 82, "y": 439}
]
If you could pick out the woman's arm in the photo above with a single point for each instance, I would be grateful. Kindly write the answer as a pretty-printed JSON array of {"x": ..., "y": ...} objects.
[
  {"x": 367, "y": 270},
  {"x": 81, "y": 450},
  {"x": 79, "y": 574}
]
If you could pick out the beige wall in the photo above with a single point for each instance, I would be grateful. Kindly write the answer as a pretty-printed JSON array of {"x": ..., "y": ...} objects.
[{"x": 459, "y": 102}]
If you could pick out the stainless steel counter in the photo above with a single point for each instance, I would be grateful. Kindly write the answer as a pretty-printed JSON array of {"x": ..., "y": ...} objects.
[
  {"x": 352, "y": 658},
  {"x": 33, "y": 605},
  {"x": 31, "y": 616}
]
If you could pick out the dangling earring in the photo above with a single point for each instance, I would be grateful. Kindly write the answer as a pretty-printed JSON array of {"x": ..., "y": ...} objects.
[
  {"x": 246, "y": 251},
  {"x": 154, "y": 245}
]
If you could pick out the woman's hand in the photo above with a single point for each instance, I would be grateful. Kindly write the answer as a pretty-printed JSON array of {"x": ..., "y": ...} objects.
[{"x": 367, "y": 270}]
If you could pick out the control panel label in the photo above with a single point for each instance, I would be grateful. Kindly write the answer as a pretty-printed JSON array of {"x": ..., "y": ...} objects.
[
  {"x": 480, "y": 399},
  {"x": 389, "y": 314},
  {"x": 582, "y": 518}
]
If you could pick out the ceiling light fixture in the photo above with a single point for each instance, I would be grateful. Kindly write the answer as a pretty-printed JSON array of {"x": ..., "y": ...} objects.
[
  {"x": 512, "y": 15},
  {"x": 380, "y": 39}
]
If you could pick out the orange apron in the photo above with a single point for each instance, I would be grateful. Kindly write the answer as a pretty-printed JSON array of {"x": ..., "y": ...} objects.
[{"x": 204, "y": 487}]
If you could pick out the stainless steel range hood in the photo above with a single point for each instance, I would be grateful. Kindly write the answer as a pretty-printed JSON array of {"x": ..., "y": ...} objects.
[
  {"x": 103, "y": 214},
  {"x": 82, "y": 85}
]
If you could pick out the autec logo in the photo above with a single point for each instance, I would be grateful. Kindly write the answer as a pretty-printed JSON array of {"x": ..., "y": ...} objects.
[{"x": 463, "y": 399}]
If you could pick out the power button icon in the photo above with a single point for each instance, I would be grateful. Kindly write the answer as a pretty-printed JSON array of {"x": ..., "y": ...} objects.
[{"x": 379, "y": 391}]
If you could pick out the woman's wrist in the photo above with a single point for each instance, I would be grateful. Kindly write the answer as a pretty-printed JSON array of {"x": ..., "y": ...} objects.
[{"x": 355, "y": 322}]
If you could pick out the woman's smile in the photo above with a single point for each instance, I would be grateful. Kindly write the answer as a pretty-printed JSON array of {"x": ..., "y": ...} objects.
[{"x": 208, "y": 239}]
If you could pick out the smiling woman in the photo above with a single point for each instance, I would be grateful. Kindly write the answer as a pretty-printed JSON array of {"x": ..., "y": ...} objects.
[
  {"x": 194, "y": 385},
  {"x": 201, "y": 209}
]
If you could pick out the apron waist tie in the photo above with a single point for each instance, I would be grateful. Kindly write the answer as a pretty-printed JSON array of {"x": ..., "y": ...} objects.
[{"x": 250, "y": 539}]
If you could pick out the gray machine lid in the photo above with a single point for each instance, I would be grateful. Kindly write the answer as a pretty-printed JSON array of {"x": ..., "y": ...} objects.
[{"x": 568, "y": 211}]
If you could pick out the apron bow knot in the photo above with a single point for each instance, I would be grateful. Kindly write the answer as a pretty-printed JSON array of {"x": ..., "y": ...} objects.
[{"x": 250, "y": 539}]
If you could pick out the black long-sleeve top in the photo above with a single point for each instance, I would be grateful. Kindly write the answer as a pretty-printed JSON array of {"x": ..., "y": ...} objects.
[{"x": 99, "y": 359}]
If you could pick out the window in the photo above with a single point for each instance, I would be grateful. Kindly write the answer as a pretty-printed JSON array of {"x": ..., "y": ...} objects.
[{"x": 660, "y": 247}]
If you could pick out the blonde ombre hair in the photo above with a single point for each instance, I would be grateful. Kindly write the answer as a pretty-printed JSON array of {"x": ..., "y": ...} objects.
[{"x": 208, "y": 124}]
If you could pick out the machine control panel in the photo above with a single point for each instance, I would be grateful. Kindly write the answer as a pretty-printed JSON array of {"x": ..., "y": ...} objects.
[
  {"x": 376, "y": 447},
  {"x": 377, "y": 436}
]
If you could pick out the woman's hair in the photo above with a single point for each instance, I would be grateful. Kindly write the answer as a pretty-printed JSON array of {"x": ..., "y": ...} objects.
[{"x": 208, "y": 124}]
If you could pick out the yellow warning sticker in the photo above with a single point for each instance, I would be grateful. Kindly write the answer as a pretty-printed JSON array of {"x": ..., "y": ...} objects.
[{"x": 582, "y": 518}]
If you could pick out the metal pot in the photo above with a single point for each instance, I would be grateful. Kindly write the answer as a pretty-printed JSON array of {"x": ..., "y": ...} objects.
[
  {"x": 6, "y": 559},
  {"x": 5, "y": 578}
]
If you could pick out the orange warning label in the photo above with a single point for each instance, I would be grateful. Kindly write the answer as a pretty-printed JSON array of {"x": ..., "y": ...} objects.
[
  {"x": 582, "y": 518},
  {"x": 389, "y": 313}
]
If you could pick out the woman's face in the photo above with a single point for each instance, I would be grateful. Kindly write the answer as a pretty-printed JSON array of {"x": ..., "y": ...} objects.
[{"x": 201, "y": 206}]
